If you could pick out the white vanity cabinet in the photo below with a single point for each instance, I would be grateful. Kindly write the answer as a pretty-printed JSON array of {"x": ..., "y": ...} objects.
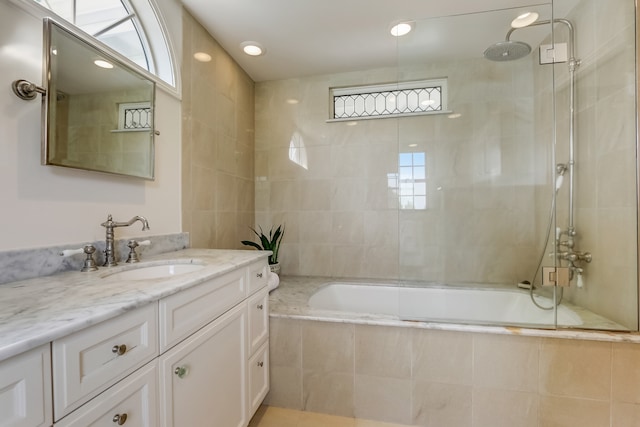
[
  {"x": 25, "y": 389},
  {"x": 198, "y": 357},
  {"x": 207, "y": 379}
]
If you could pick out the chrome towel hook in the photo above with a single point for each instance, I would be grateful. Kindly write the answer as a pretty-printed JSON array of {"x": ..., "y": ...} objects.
[{"x": 26, "y": 90}]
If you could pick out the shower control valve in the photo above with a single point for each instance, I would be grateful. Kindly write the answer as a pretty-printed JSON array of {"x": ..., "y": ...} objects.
[
  {"x": 584, "y": 256},
  {"x": 567, "y": 243}
]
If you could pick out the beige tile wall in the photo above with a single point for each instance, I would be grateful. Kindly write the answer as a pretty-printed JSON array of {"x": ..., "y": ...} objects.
[
  {"x": 91, "y": 144},
  {"x": 454, "y": 379},
  {"x": 217, "y": 144},
  {"x": 342, "y": 217},
  {"x": 606, "y": 203}
]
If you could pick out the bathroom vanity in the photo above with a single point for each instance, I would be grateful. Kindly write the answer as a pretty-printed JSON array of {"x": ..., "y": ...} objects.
[{"x": 111, "y": 348}]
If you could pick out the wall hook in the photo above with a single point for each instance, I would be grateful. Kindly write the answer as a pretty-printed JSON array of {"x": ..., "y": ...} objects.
[{"x": 26, "y": 90}]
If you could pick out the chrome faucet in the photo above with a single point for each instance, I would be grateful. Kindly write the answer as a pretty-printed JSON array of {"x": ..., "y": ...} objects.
[
  {"x": 565, "y": 251},
  {"x": 110, "y": 224}
]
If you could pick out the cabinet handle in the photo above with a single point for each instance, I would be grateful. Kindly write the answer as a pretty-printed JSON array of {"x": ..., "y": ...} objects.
[
  {"x": 260, "y": 306},
  {"x": 259, "y": 275},
  {"x": 181, "y": 371},
  {"x": 119, "y": 350},
  {"x": 261, "y": 364},
  {"x": 120, "y": 419}
]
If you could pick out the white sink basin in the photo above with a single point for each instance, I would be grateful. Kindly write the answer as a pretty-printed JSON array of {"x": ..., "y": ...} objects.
[{"x": 154, "y": 272}]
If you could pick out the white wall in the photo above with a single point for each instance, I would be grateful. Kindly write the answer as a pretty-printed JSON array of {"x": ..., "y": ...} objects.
[{"x": 46, "y": 205}]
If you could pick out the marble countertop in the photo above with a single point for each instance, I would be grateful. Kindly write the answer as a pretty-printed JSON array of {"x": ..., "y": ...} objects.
[
  {"x": 291, "y": 300},
  {"x": 36, "y": 311}
]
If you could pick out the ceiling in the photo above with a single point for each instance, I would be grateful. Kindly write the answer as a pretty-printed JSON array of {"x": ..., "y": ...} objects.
[{"x": 310, "y": 37}]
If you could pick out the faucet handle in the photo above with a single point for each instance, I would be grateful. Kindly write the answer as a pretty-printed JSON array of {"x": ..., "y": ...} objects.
[
  {"x": 133, "y": 255},
  {"x": 69, "y": 252},
  {"x": 89, "y": 262}
]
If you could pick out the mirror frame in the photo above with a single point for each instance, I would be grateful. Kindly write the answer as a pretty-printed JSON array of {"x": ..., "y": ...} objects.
[{"x": 91, "y": 44}]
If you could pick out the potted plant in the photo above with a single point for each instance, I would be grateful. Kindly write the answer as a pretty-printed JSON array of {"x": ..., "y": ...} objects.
[{"x": 270, "y": 242}]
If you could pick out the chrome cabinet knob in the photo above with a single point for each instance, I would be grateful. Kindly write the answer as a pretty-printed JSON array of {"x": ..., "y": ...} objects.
[
  {"x": 119, "y": 349},
  {"x": 259, "y": 306},
  {"x": 181, "y": 371},
  {"x": 259, "y": 275},
  {"x": 120, "y": 419}
]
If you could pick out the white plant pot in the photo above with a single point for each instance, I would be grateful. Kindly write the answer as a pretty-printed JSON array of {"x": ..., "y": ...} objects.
[{"x": 275, "y": 268}]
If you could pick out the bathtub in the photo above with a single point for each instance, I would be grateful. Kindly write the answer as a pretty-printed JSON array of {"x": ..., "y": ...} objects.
[{"x": 442, "y": 304}]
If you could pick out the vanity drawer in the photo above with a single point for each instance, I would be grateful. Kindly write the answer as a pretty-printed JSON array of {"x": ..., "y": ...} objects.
[
  {"x": 89, "y": 361},
  {"x": 258, "y": 274},
  {"x": 131, "y": 402},
  {"x": 258, "y": 319},
  {"x": 184, "y": 313}
]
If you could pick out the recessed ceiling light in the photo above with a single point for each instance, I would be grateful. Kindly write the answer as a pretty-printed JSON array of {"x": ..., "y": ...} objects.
[
  {"x": 102, "y": 63},
  {"x": 525, "y": 20},
  {"x": 401, "y": 29},
  {"x": 292, "y": 101},
  {"x": 252, "y": 48},
  {"x": 413, "y": 145},
  {"x": 202, "y": 57}
]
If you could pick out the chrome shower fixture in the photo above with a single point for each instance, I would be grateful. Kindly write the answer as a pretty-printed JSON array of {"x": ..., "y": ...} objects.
[
  {"x": 508, "y": 50},
  {"x": 561, "y": 168}
]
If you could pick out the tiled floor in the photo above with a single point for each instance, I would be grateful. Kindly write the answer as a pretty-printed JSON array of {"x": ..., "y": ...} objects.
[{"x": 271, "y": 416}]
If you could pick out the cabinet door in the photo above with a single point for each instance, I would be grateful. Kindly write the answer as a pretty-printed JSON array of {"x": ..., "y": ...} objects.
[
  {"x": 203, "y": 379},
  {"x": 25, "y": 389},
  {"x": 131, "y": 402},
  {"x": 258, "y": 378}
]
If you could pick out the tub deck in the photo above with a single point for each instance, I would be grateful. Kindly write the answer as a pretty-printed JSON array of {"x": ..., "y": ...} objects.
[{"x": 291, "y": 300}]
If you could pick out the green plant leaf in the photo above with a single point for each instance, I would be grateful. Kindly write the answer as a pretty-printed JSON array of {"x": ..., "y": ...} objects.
[
  {"x": 249, "y": 243},
  {"x": 265, "y": 242}
]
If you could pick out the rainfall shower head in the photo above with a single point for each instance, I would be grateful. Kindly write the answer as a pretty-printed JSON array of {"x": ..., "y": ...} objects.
[{"x": 507, "y": 50}]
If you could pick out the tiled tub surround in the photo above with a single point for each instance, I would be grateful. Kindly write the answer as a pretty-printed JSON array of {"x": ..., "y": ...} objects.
[
  {"x": 26, "y": 264},
  {"x": 432, "y": 374},
  {"x": 43, "y": 309}
]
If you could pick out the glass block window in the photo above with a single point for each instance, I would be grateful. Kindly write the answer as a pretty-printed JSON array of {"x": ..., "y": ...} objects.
[{"x": 398, "y": 99}]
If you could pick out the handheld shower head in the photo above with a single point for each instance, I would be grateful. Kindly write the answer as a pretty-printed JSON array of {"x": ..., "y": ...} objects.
[
  {"x": 507, "y": 50},
  {"x": 561, "y": 168}
]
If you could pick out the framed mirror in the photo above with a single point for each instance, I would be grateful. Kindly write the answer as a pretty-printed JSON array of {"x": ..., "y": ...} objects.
[{"x": 98, "y": 111}]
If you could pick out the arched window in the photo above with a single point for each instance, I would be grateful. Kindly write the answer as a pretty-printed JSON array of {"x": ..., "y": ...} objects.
[{"x": 130, "y": 27}]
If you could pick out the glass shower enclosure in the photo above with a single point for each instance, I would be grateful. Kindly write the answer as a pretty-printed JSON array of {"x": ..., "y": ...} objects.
[{"x": 521, "y": 192}]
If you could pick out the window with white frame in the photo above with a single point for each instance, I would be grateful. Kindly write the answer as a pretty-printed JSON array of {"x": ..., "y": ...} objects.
[
  {"x": 129, "y": 27},
  {"x": 395, "y": 99},
  {"x": 410, "y": 184}
]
